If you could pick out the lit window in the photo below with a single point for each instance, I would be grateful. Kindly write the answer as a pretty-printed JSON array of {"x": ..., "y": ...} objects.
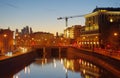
[
  {"x": 90, "y": 42},
  {"x": 86, "y": 28},
  {"x": 87, "y": 42},
  {"x": 91, "y": 28},
  {"x": 96, "y": 37},
  {"x": 97, "y": 42},
  {"x": 96, "y": 27},
  {"x": 83, "y": 37}
]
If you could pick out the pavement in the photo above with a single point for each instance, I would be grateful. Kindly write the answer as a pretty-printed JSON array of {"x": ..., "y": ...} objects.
[
  {"x": 111, "y": 54},
  {"x": 3, "y": 57}
]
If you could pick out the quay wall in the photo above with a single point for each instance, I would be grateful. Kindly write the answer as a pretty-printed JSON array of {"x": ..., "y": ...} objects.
[{"x": 10, "y": 66}]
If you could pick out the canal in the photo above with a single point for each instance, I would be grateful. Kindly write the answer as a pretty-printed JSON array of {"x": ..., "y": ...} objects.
[
  {"x": 55, "y": 64},
  {"x": 62, "y": 65}
]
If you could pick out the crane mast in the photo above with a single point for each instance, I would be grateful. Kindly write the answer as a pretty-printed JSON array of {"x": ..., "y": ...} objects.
[{"x": 66, "y": 18}]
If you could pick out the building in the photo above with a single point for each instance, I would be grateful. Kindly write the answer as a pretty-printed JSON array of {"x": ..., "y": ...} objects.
[
  {"x": 6, "y": 40},
  {"x": 22, "y": 39},
  {"x": 72, "y": 32},
  {"x": 26, "y": 30},
  {"x": 41, "y": 39},
  {"x": 102, "y": 28}
]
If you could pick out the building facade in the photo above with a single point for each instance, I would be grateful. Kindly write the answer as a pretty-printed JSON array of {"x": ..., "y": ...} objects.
[
  {"x": 6, "y": 40},
  {"x": 41, "y": 39},
  {"x": 72, "y": 32},
  {"x": 102, "y": 28}
]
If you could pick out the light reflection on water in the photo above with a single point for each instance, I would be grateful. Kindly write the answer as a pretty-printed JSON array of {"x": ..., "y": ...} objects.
[{"x": 59, "y": 68}]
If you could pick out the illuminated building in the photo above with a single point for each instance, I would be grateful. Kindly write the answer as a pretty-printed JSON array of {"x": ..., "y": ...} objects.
[
  {"x": 23, "y": 38},
  {"x": 100, "y": 25},
  {"x": 72, "y": 32},
  {"x": 41, "y": 38},
  {"x": 28, "y": 38},
  {"x": 6, "y": 40}
]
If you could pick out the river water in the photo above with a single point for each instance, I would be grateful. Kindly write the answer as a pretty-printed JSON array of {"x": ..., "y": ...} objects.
[{"x": 62, "y": 67}]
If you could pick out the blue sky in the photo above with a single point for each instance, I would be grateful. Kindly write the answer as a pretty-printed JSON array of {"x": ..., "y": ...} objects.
[{"x": 42, "y": 15}]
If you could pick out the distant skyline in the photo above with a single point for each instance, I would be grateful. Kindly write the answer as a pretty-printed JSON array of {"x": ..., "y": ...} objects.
[{"x": 42, "y": 15}]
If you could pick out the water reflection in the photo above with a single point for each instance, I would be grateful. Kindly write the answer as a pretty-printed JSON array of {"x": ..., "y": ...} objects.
[
  {"x": 83, "y": 67},
  {"x": 63, "y": 67},
  {"x": 55, "y": 66},
  {"x": 26, "y": 71}
]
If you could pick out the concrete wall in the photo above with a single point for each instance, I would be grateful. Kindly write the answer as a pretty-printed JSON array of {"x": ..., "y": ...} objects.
[{"x": 9, "y": 67}]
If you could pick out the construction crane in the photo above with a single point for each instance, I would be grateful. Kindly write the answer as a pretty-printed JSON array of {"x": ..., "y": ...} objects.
[{"x": 66, "y": 18}]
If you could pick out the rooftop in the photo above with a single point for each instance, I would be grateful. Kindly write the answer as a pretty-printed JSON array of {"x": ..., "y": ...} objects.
[{"x": 107, "y": 8}]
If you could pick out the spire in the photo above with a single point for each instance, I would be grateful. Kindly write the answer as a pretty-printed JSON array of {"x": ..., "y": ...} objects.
[
  {"x": 8, "y": 28},
  {"x": 96, "y": 6}
]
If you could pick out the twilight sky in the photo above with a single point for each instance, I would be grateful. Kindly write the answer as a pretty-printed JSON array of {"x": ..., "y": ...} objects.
[{"x": 42, "y": 15}]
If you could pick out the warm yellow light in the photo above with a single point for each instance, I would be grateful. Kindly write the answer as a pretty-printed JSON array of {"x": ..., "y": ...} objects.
[
  {"x": 96, "y": 37},
  {"x": 97, "y": 42},
  {"x": 18, "y": 37},
  {"x": 16, "y": 34},
  {"x": 111, "y": 20},
  {"x": 83, "y": 37},
  {"x": 25, "y": 35},
  {"x": 5, "y": 35},
  {"x": 32, "y": 38},
  {"x": 61, "y": 38},
  {"x": 115, "y": 34}
]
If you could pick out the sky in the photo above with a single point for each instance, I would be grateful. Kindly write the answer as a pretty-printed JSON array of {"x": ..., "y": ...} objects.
[{"x": 42, "y": 15}]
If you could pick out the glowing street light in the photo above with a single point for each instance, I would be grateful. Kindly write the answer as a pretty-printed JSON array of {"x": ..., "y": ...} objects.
[
  {"x": 115, "y": 34},
  {"x": 5, "y": 35},
  {"x": 111, "y": 20}
]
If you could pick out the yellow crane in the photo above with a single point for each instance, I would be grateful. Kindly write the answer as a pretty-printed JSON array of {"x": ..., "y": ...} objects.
[{"x": 66, "y": 18}]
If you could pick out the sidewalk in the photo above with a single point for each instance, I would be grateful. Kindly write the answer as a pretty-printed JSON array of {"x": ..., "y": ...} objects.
[
  {"x": 3, "y": 57},
  {"x": 115, "y": 55},
  {"x": 112, "y": 54}
]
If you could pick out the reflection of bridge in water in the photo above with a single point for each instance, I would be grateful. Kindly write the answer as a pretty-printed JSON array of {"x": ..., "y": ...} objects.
[{"x": 74, "y": 61}]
